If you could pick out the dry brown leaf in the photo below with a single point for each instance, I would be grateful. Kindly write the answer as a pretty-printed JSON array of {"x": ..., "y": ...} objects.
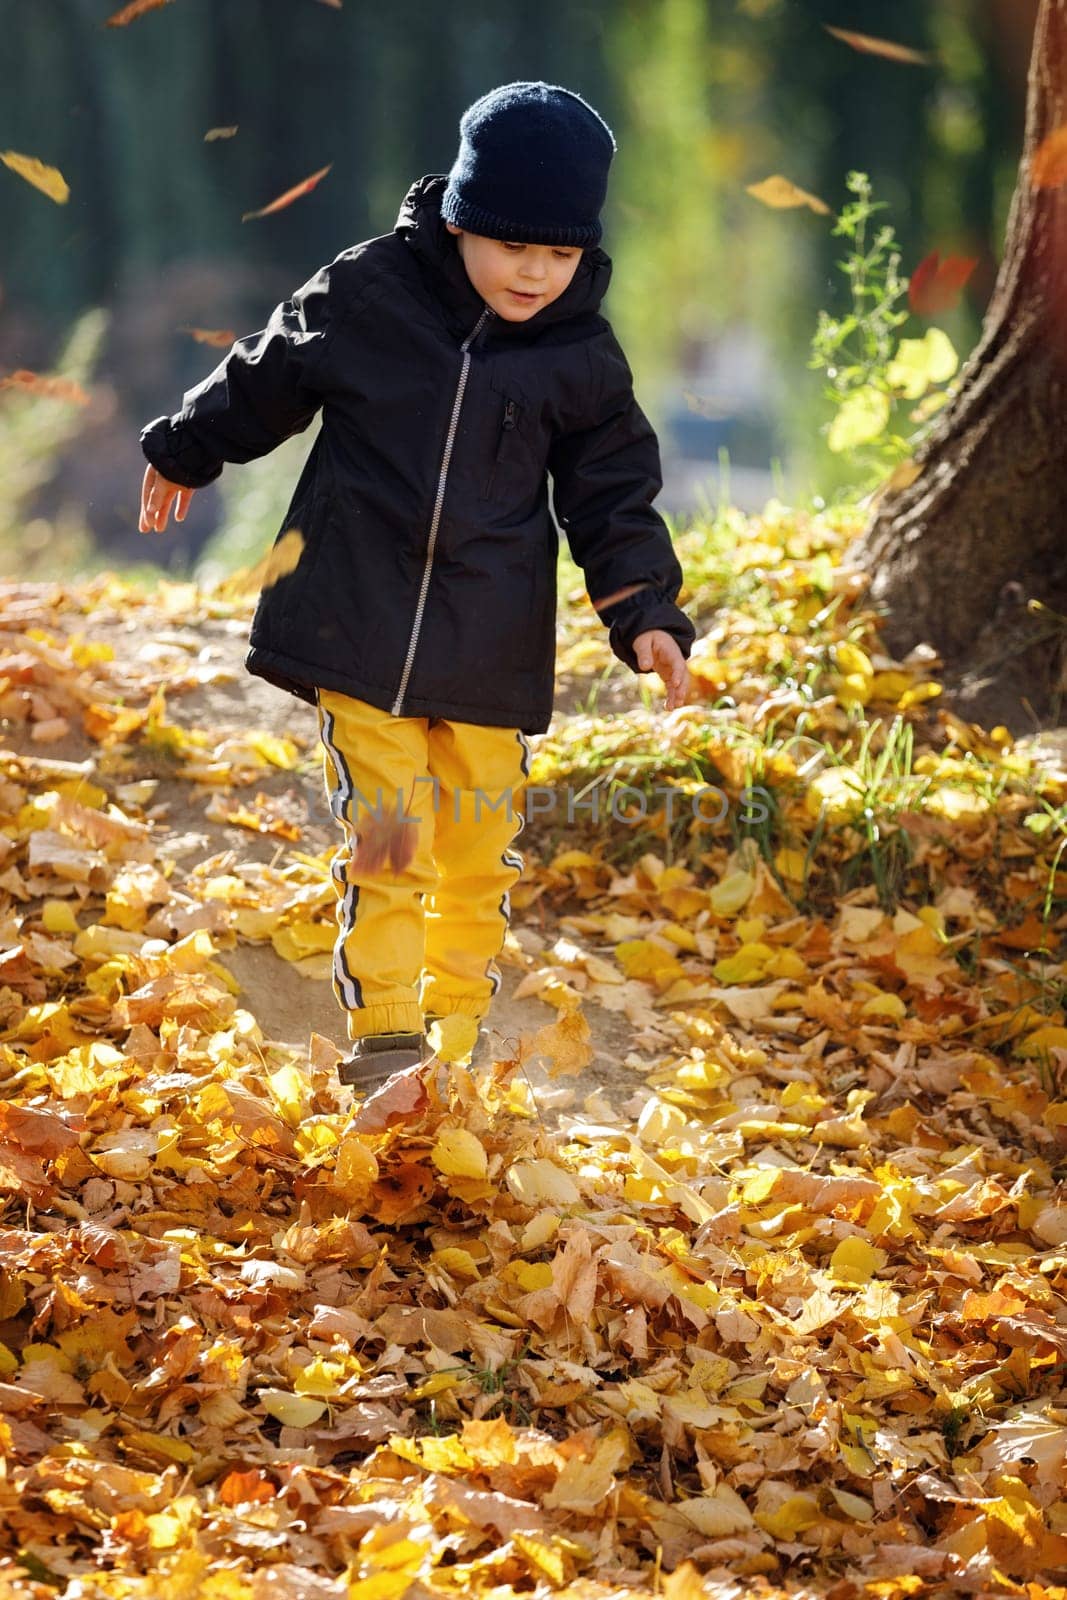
[{"x": 886, "y": 48}]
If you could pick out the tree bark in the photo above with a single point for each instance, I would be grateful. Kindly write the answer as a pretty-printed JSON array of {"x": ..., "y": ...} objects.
[{"x": 955, "y": 557}]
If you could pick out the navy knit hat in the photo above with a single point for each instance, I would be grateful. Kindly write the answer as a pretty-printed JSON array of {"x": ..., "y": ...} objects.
[{"x": 532, "y": 167}]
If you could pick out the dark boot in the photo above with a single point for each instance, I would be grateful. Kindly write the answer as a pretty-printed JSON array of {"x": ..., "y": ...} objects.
[{"x": 377, "y": 1056}]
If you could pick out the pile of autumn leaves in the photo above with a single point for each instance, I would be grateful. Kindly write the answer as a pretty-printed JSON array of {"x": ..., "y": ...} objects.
[{"x": 792, "y": 1314}]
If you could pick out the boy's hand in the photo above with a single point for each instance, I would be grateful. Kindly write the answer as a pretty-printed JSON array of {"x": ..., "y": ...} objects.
[
  {"x": 657, "y": 651},
  {"x": 157, "y": 496}
]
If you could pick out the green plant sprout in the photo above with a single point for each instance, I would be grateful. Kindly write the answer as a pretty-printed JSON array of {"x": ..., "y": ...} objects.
[{"x": 871, "y": 374}]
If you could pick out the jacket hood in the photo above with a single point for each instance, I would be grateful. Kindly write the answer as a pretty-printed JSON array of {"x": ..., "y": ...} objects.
[{"x": 422, "y": 227}]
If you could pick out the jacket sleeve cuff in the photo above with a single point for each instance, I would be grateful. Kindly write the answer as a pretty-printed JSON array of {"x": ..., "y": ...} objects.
[
  {"x": 177, "y": 456},
  {"x": 648, "y": 608}
]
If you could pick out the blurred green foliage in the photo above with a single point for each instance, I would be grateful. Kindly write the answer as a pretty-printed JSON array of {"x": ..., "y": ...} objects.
[{"x": 35, "y": 430}]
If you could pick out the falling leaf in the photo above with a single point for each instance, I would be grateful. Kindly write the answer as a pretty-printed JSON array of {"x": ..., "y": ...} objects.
[
  {"x": 453, "y": 1037},
  {"x": 881, "y": 47},
  {"x": 566, "y": 1044},
  {"x": 709, "y": 405},
  {"x": 286, "y": 199},
  {"x": 220, "y": 337},
  {"x": 136, "y": 8},
  {"x": 51, "y": 388},
  {"x": 49, "y": 180},
  {"x": 390, "y": 838},
  {"x": 220, "y": 133},
  {"x": 935, "y": 285},
  {"x": 781, "y": 194}
]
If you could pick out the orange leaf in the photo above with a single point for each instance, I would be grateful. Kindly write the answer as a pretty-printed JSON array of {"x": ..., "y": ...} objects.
[
  {"x": 246, "y": 1488},
  {"x": 286, "y": 199},
  {"x": 881, "y": 47},
  {"x": 111, "y": 723},
  {"x": 1048, "y": 164},
  {"x": 130, "y": 1525},
  {"x": 135, "y": 9},
  {"x": 401, "y": 1192},
  {"x": 27, "y": 1140},
  {"x": 40, "y": 1131},
  {"x": 999, "y": 1303},
  {"x": 782, "y": 193},
  {"x": 222, "y": 337},
  {"x": 935, "y": 285},
  {"x": 54, "y": 388},
  {"x": 1031, "y": 934}
]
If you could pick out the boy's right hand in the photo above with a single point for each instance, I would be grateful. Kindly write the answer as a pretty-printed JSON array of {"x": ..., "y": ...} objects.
[{"x": 158, "y": 494}]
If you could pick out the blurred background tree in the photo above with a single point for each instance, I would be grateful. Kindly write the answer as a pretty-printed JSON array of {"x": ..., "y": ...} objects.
[{"x": 704, "y": 96}]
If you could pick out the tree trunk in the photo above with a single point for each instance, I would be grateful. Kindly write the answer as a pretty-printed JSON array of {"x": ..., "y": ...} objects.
[{"x": 955, "y": 558}]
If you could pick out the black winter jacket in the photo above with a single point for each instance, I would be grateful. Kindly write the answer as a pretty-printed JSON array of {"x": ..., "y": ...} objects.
[{"x": 426, "y": 582}]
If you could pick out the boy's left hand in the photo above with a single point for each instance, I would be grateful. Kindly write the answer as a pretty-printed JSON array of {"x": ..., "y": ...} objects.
[{"x": 657, "y": 651}]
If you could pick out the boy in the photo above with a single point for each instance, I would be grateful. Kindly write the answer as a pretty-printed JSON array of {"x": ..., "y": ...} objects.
[{"x": 458, "y": 361}]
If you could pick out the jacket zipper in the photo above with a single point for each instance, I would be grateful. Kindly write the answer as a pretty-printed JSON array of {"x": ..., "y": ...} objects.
[
  {"x": 508, "y": 423},
  {"x": 442, "y": 480}
]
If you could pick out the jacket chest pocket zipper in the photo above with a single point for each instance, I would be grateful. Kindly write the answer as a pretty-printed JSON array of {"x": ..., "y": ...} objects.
[{"x": 507, "y": 433}]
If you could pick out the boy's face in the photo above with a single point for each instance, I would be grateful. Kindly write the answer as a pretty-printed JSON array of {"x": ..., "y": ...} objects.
[{"x": 516, "y": 280}]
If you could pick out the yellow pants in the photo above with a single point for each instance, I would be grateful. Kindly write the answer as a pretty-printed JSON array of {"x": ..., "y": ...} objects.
[{"x": 420, "y": 936}]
